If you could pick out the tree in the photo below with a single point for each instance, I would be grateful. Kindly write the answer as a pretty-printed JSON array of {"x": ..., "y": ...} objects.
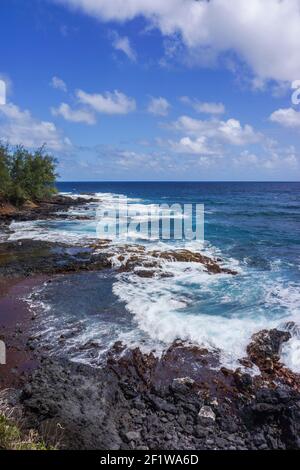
[{"x": 25, "y": 175}]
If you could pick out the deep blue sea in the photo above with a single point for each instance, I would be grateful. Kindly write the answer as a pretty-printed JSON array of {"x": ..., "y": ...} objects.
[{"x": 253, "y": 227}]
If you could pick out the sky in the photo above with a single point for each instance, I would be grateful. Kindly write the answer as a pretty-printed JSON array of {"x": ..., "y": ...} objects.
[{"x": 125, "y": 90}]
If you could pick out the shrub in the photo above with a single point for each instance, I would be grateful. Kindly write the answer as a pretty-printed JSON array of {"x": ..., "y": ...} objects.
[{"x": 26, "y": 175}]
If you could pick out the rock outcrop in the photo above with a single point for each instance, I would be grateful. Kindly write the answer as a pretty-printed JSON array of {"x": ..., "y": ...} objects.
[{"x": 181, "y": 400}]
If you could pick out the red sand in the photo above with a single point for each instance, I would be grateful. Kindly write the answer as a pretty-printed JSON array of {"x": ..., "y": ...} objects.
[{"x": 15, "y": 318}]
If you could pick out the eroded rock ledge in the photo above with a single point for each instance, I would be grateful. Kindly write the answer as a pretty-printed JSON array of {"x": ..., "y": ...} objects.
[
  {"x": 149, "y": 263},
  {"x": 28, "y": 257},
  {"x": 46, "y": 209}
]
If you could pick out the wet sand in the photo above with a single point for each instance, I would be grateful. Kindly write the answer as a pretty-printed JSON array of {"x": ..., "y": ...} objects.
[{"x": 15, "y": 319}]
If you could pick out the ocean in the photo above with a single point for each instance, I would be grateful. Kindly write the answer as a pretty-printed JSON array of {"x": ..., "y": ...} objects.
[{"x": 253, "y": 227}]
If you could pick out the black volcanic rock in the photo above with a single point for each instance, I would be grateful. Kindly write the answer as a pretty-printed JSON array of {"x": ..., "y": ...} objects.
[{"x": 180, "y": 401}]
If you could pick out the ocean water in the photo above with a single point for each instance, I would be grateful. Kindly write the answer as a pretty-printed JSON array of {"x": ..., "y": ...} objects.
[{"x": 253, "y": 227}]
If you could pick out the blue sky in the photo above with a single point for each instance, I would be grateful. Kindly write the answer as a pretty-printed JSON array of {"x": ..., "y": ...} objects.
[{"x": 149, "y": 90}]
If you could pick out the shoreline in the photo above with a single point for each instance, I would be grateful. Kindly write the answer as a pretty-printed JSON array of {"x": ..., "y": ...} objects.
[{"x": 183, "y": 399}]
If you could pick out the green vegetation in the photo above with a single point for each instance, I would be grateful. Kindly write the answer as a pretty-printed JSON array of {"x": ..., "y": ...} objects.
[
  {"x": 26, "y": 175},
  {"x": 11, "y": 437}
]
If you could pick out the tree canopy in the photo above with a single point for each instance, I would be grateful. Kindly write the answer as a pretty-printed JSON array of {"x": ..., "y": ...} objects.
[{"x": 26, "y": 175}]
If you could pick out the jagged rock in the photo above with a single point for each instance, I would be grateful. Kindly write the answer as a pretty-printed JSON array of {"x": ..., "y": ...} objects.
[
  {"x": 184, "y": 381},
  {"x": 264, "y": 349},
  {"x": 31, "y": 257},
  {"x": 187, "y": 256},
  {"x": 150, "y": 263},
  {"x": 45, "y": 209},
  {"x": 133, "y": 436},
  {"x": 181, "y": 400},
  {"x": 207, "y": 413}
]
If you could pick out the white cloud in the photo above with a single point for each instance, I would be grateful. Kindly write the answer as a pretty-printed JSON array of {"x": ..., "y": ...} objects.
[
  {"x": 204, "y": 107},
  {"x": 264, "y": 34},
  {"x": 230, "y": 131},
  {"x": 122, "y": 43},
  {"x": 19, "y": 127},
  {"x": 107, "y": 103},
  {"x": 287, "y": 117},
  {"x": 246, "y": 158},
  {"x": 6, "y": 87},
  {"x": 127, "y": 160},
  {"x": 74, "y": 115},
  {"x": 58, "y": 84},
  {"x": 159, "y": 106},
  {"x": 270, "y": 158},
  {"x": 277, "y": 157},
  {"x": 198, "y": 146}
]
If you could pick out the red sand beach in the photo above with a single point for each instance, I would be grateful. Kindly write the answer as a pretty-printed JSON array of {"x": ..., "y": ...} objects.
[{"x": 14, "y": 322}]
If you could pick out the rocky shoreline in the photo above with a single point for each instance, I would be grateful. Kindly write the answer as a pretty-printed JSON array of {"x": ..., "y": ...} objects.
[{"x": 182, "y": 400}]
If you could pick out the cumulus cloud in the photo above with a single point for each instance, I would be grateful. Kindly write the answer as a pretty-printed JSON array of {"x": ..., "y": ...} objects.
[
  {"x": 159, "y": 106},
  {"x": 114, "y": 162},
  {"x": 230, "y": 131},
  {"x": 58, "y": 84},
  {"x": 122, "y": 43},
  {"x": 280, "y": 157},
  {"x": 198, "y": 146},
  {"x": 20, "y": 127},
  {"x": 204, "y": 107},
  {"x": 263, "y": 34},
  {"x": 107, "y": 103},
  {"x": 246, "y": 158},
  {"x": 129, "y": 160},
  {"x": 287, "y": 117},
  {"x": 271, "y": 157},
  {"x": 74, "y": 115}
]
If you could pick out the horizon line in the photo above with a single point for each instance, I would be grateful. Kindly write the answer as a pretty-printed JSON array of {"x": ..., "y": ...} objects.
[{"x": 177, "y": 181}]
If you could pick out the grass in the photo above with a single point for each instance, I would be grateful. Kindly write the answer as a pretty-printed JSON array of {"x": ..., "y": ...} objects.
[
  {"x": 15, "y": 434},
  {"x": 12, "y": 437}
]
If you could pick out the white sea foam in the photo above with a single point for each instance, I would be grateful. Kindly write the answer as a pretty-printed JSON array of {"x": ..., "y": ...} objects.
[
  {"x": 158, "y": 306},
  {"x": 79, "y": 233},
  {"x": 291, "y": 354},
  {"x": 220, "y": 312},
  {"x": 163, "y": 308}
]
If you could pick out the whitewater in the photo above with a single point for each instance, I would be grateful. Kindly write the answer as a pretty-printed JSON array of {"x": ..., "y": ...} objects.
[{"x": 220, "y": 311}]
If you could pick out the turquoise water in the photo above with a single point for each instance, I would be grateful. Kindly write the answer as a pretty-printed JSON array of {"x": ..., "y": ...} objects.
[{"x": 253, "y": 227}]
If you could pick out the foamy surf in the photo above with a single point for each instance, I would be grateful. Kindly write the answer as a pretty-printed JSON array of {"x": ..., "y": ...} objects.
[
  {"x": 220, "y": 312},
  {"x": 211, "y": 311}
]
